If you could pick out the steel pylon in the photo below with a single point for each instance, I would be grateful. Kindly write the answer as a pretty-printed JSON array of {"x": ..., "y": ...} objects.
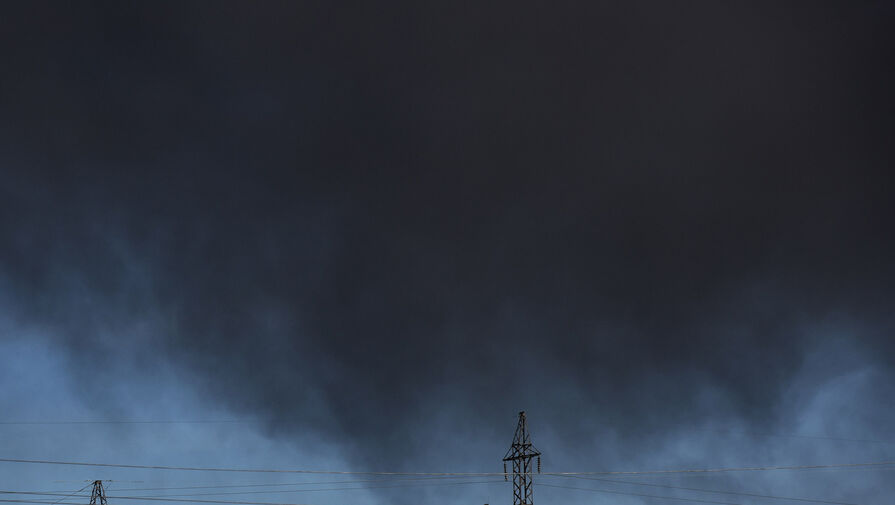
[
  {"x": 98, "y": 495},
  {"x": 521, "y": 453}
]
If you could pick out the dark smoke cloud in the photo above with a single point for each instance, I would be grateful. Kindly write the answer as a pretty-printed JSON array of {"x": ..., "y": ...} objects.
[{"x": 664, "y": 230}]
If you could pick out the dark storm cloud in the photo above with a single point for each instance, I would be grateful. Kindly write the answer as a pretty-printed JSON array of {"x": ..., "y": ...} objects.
[{"x": 396, "y": 225}]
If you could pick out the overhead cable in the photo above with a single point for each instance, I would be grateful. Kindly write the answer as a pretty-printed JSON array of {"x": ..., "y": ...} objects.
[
  {"x": 459, "y": 474},
  {"x": 714, "y": 491}
]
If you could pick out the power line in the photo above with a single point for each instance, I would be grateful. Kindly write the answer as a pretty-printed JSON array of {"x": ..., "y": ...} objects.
[
  {"x": 145, "y": 498},
  {"x": 278, "y": 491},
  {"x": 172, "y": 497},
  {"x": 457, "y": 474},
  {"x": 242, "y": 421},
  {"x": 342, "y": 488},
  {"x": 306, "y": 483},
  {"x": 128, "y": 421},
  {"x": 244, "y": 470},
  {"x": 738, "y": 469},
  {"x": 780, "y": 435},
  {"x": 753, "y": 495},
  {"x": 74, "y": 493},
  {"x": 692, "y": 500},
  {"x": 46, "y": 502}
]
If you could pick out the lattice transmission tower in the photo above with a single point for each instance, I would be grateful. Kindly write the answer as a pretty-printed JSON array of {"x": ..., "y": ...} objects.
[
  {"x": 98, "y": 495},
  {"x": 521, "y": 453}
]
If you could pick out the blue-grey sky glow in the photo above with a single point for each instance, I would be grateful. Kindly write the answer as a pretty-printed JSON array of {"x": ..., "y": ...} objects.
[{"x": 360, "y": 237}]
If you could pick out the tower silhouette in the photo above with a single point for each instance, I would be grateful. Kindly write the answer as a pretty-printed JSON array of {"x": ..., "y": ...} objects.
[
  {"x": 521, "y": 453},
  {"x": 98, "y": 494}
]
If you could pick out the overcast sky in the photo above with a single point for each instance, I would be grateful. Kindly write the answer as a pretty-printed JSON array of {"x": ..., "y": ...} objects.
[{"x": 367, "y": 234}]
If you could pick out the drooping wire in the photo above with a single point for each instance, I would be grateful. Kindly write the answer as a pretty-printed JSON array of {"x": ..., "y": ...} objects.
[
  {"x": 123, "y": 421},
  {"x": 74, "y": 493},
  {"x": 45, "y": 502},
  {"x": 283, "y": 491},
  {"x": 715, "y": 491},
  {"x": 732, "y": 469},
  {"x": 306, "y": 483},
  {"x": 458, "y": 474},
  {"x": 692, "y": 500},
  {"x": 243, "y": 470},
  {"x": 180, "y": 499},
  {"x": 311, "y": 490}
]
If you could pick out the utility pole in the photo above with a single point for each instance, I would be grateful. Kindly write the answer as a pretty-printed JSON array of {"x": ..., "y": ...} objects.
[
  {"x": 98, "y": 493},
  {"x": 521, "y": 453}
]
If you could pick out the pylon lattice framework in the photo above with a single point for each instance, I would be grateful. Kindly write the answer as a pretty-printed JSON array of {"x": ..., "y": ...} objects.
[
  {"x": 521, "y": 453},
  {"x": 98, "y": 493}
]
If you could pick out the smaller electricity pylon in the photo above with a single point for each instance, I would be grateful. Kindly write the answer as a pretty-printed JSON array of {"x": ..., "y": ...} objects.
[
  {"x": 521, "y": 453},
  {"x": 98, "y": 495}
]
